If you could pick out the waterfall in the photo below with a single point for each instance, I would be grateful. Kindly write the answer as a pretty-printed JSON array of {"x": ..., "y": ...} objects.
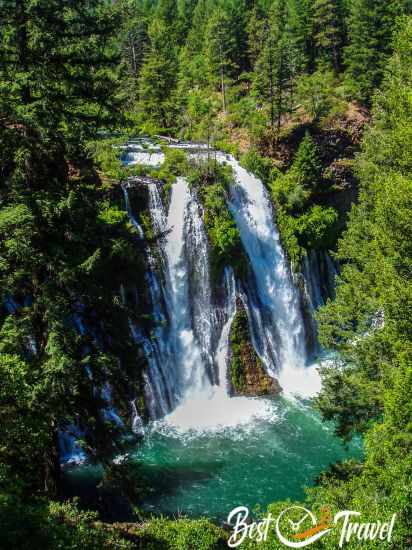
[
  {"x": 179, "y": 350},
  {"x": 194, "y": 339},
  {"x": 137, "y": 422},
  {"x": 205, "y": 323},
  {"x": 280, "y": 319},
  {"x": 142, "y": 152},
  {"x": 222, "y": 353},
  {"x": 160, "y": 385},
  {"x": 188, "y": 351},
  {"x": 211, "y": 408},
  {"x": 129, "y": 210}
]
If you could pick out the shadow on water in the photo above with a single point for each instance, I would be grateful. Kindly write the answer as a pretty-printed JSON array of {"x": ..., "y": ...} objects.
[{"x": 167, "y": 480}]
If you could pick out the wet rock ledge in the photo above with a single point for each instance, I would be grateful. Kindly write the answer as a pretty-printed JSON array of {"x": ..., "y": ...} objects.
[{"x": 247, "y": 375}]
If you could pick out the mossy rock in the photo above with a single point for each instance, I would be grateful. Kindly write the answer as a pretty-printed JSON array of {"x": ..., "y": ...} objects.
[{"x": 247, "y": 375}]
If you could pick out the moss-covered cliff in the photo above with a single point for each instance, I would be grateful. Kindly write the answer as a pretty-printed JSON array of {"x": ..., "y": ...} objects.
[{"x": 246, "y": 373}]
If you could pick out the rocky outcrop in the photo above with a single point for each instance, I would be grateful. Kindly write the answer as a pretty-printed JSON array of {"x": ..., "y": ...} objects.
[{"x": 247, "y": 375}]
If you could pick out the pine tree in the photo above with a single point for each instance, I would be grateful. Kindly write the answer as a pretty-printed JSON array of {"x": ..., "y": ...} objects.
[
  {"x": 370, "y": 29},
  {"x": 306, "y": 166},
  {"x": 276, "y": 65},
  {"x": 134, "y": 35},
  {"x": 58, "y": 68},
  {"x": 302, "y": 24},
  {"x": 329, "y": 32},
  {"x": 256, "y": 30},
  {"x": 220, "y": 52},
  {"x": 158, "y": 78}
]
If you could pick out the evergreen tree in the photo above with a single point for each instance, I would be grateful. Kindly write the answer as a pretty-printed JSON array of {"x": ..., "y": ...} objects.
[
  {"x": 302, "y": 23},
  {"x": 134, "y": 35},
  {"x": 158, "y": 78},
  {"x": 58, "y": 68},
  {"x": 307, "y": 167},
  {"x": 276, "y": 65},
  {"x": 371, "y": 26},
  {"x": 59, "y": 240},
  {"x": 220, "y": 52},
  {"x": 329, "y": 32},
  {"x": 256, "y": 30}
]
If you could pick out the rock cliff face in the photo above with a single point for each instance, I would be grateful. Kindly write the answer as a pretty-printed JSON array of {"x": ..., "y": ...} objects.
[{"x": 246, "y": 373}]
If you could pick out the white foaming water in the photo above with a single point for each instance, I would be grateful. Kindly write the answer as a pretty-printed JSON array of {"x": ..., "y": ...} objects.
[
  {"x": 302, "y": 381},
  {"x": 214, "y": 411},
  {"x": 222, "y": 353},
  {"x": 187, "y": 354},
  {"x": 211, "y": 408},
  {"x": 275, "y": 315},
  {"x": 143, "y": 157},
  {"x": 280, "y": 325},
  {"x": 252, "y": 210}
]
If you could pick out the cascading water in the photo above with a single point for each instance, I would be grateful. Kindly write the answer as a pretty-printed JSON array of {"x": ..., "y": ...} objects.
[
  {"x": 188, "y": 348},
  {"x": 277, "y": 318},
  {"x": 207, "y": 452},
  {"x": 187, "y": 354},
  {"x": 129, "y": 211},
  {"x": 222, "y": 353}
]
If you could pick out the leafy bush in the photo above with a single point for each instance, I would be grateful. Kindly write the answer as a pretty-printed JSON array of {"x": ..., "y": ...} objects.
[
  {"x": 175, "y": 164},
  {"x": 262, "y": 167},
  {"x": 181, "y": 534},
  {"x": 319, "y": 95},
  {"x": 52, "y": 526},
  {"x": 212, "y": 179},
  {"x": 222, "y": 231},
  {"x": 314, "y": 229}
]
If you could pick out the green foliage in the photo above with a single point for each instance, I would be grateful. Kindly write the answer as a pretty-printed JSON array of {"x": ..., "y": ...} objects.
[
  {"x": 306, "y": 166},
  {"x": 371, "y": 25},
  {"x": 46, "y": 86},
  {"x": 369, "y": 322},
  {"x": 52, "y": 525},
  {"x": 212, "y": 180},
  {"x": 303, "y": 224},
  {"x": 106, "y": 155},
  {"x": 175, "y": 164},
  {"x": 239, "y": 337},
  {"x": 65, "y": 247},
  {"x": 164, "y": 534},
  {"x": 262, "y": 167},
  {"x": 314, "y": 228},
  {"x": 220, "y": 45},
  {"x": 195, "y": 66},
  {"x": 319, "y": 95},
  {"x": 200, "y": 116},
  {"x": 329, "y": 32},
  {"x": 275, "y": 65},
  {"x": 157, "y": 81}
]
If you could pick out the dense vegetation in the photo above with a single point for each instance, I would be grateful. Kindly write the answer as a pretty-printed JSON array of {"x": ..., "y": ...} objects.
[
  {"x": 369, "y": 322},
  {"x": 212, "y": 181},
  {"x": 288, "y": 83},
  {"x": 65, "y": 248}
]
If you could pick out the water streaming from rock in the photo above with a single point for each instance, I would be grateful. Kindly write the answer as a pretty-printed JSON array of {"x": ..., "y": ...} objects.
[
  {"x": 275, "y": 309},
  {"x": 189, "y": 355}
]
